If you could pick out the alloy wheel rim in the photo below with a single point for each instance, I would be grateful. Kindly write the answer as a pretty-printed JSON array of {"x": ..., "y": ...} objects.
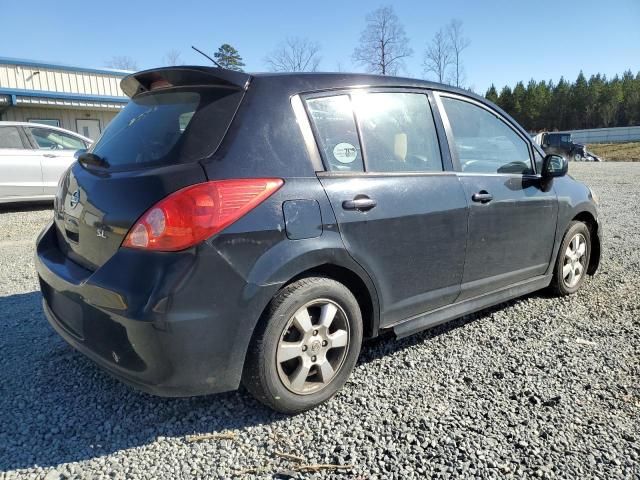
[
  {"x": 313, "y": 346},
  {"x": 574, "y": 260}
]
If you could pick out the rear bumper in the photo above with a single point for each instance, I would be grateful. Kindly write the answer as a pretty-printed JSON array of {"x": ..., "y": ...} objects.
[
  {"x": 173, "y": 324},
  {"x": 127, "y": 369}
]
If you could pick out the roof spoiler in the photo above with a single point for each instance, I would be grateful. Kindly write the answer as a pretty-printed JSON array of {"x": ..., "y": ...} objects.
[{"x": 168, "y": 77}]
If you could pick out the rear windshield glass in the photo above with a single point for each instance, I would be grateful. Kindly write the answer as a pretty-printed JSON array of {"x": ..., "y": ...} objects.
[{"x": 168, "y": 127}]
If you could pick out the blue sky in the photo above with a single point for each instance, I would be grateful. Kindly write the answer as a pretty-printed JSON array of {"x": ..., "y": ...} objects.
[{"x": 511, "y": 40}]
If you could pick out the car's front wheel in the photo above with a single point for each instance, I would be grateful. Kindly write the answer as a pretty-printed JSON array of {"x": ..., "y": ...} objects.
[
  {"x": 307, "y": 346},
  {"x": 573, "y": 259}
]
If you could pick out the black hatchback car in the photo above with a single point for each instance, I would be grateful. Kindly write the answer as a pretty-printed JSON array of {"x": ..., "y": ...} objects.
[{"x": 230, "y": 227}]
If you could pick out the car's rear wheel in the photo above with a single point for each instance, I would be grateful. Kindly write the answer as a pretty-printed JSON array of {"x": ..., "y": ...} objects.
[
  {"x": 577, "y": 157},
  {"x": 573, "y": 259},
  {"x": 307, "y": 346}
]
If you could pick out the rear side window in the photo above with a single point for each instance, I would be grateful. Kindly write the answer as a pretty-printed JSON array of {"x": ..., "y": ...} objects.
[
  {"x": 398, "y": 132},
  {"x": 336, "y": 133},
  {"x": 54, "y": 140},
  {"x": 10, "y": 138},
  {"x": 483, "y": 142},
  {"x": 168, "y": 127}
]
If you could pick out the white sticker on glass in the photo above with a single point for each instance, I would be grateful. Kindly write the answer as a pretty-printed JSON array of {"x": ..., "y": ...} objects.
[{"x": 345, "y": 152}]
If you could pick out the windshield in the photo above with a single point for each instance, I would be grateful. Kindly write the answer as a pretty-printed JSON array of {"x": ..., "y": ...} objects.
[{"x": 160, "y": 128}]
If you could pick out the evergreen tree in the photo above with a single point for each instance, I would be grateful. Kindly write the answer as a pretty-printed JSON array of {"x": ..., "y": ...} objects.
[
  {"x": 559, "y": 108},
  {"x": 229, "y": 58},
  {"x": 505, "y": 100},
  {"x": 492, "y": 94},
  {"x": 595, "y": 89},
  {"x": 519, "y": 94},
  {"x": 609, "y": 102},
  {"x": 535, "y": 105},
  {"x": 594, "y": 103},
  {"x": 629, "y": 113},
  {"x": 579, "y": 102}
]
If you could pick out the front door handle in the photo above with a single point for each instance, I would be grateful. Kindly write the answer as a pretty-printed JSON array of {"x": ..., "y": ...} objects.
[
  {"x": 50, "y": 155},
  {"x": 482, "y": 196},
  {"x": 360, "y": 202}
]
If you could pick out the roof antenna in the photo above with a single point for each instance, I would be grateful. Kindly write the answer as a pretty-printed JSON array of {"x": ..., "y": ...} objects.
[{"x": 205, "y": 55}]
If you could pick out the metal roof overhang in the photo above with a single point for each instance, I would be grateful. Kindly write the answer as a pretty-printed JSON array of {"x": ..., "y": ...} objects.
[{"x": 43, "y": 98}]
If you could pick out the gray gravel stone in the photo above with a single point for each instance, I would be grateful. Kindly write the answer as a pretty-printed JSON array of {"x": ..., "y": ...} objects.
[{"x": 537, "y": 387}]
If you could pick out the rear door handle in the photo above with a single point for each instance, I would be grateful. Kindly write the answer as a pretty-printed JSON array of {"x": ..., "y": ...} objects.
[
  {"x": 360, "y": 202},
  {"x": 482, "y": 196}
]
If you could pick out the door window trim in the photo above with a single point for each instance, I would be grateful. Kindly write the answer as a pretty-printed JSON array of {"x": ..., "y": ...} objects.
[
  {"x": 450, "y": 137},
  {"x": 314, "y": 150}
]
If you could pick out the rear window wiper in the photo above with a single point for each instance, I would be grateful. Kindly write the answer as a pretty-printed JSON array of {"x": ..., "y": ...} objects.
[{"x": 85, "y": 159}]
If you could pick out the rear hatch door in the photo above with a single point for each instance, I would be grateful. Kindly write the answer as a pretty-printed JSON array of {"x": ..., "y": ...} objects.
[{"x": 152, "y": 148}]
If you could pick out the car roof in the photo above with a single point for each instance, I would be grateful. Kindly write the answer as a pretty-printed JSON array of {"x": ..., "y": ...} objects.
[
  {"x": 315, "y": 81},
  {"x": 298, "y": 82},
  {"x": 326, "y": 79},
  {"x": 34, "y": 124}
]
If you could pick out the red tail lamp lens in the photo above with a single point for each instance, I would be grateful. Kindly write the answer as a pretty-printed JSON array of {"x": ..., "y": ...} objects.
[{"x": 195, "y": 213}]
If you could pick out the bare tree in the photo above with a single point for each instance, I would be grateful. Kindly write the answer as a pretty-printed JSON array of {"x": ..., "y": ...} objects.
[
  {"x": 294, "y": 55},
  {"x": 458, "y": 43},
  {"x": 121, "y": 62},
  {"x": 383, "y": 43},
  {"x": 438, "y": 56},
  {"x": 171, "y": 58}
]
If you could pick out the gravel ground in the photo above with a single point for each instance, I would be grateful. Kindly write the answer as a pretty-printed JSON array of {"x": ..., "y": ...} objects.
[{"x": 538, "y": 387}]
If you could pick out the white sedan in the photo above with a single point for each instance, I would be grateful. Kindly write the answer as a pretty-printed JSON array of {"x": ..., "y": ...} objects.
[{"x": 32, "y": 159}]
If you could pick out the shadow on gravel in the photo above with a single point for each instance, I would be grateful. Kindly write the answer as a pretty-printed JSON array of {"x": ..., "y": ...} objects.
[
  {"x": 387, "y": 344},
  {"x": 26, "y": 206},
  {"x": 56, "y": 406}
]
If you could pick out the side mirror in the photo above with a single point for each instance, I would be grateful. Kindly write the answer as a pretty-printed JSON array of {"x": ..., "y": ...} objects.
[
  {"x": 554, "y": 166},
  {"x": 79, "y": 152}
]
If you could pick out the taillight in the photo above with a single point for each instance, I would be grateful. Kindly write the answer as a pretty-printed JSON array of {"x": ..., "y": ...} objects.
[{"x": 191, "y": 215}]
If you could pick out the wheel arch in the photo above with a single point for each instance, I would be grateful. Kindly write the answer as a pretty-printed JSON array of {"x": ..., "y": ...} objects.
[
  {"x": 594, "y": 230},
  {"x": 350, "y": 275},
  {"x": 367, "y": 300}
]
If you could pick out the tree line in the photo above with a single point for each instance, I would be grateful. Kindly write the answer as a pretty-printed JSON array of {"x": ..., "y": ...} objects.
[
  {"x": 383, "y": 49},
  {"x": 384, "y": 46},
  {"x": 595, "y": 103}
]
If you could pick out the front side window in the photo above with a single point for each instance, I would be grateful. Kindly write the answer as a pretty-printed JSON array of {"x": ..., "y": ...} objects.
[
  {"x": 398, "y": 132},
  {"x": 336, "y": 133},
  {"x": 10, "y": 138},
  {"x": 54, "y": 140},
  {"x": 539, "y": 159},
  {"x": 484, "y": 143}
]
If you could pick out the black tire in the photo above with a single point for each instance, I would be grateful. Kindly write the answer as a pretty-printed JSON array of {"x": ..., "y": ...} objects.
[
  {"x": 265, "y": 377},
  {"x": 559, "y": 283}
]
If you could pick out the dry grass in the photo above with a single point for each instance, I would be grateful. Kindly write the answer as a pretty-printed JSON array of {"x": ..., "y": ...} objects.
[{"x": 617, "y": 152}]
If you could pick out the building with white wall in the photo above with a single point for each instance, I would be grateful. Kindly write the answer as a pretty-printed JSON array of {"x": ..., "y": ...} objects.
[{"x": 80, "y": 99}]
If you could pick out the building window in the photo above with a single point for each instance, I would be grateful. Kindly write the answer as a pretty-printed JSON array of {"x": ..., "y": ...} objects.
[{"x": 52, "y": 122}]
